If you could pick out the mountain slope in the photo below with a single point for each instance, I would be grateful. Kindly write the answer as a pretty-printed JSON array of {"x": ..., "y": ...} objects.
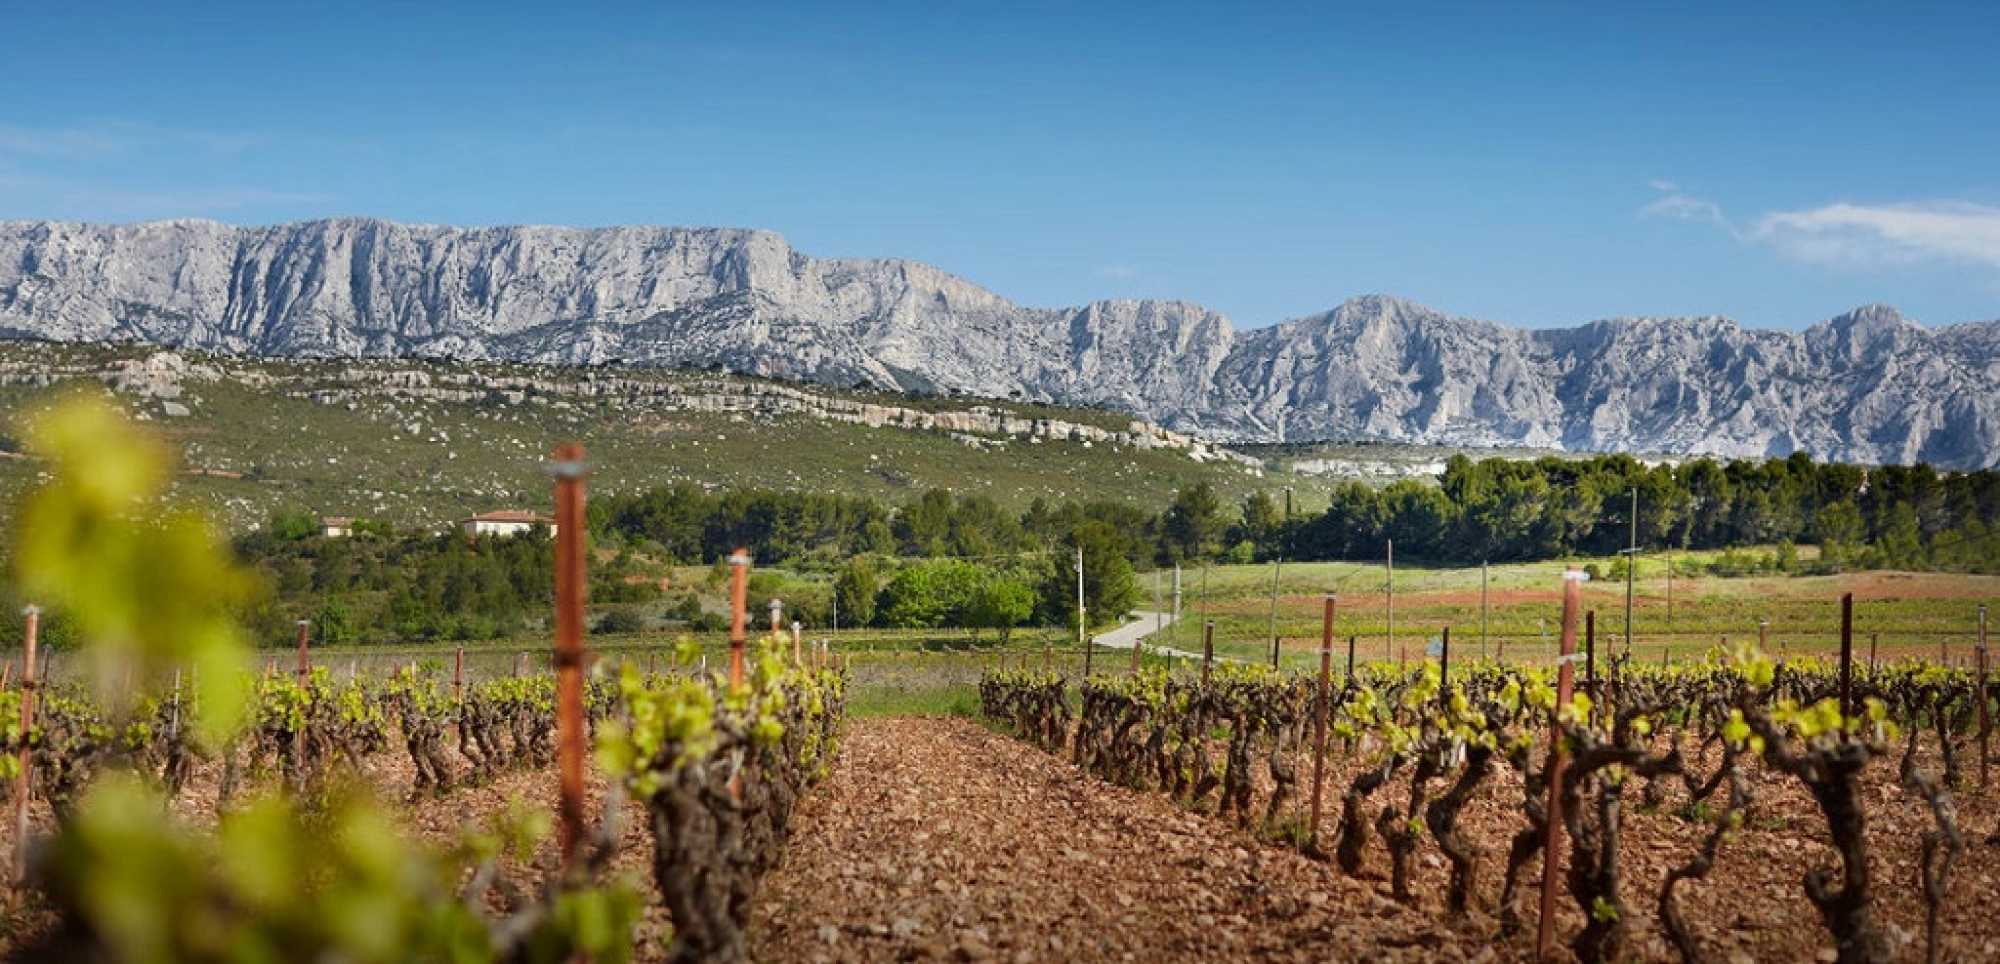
[{"x": 1868, "y": 387}]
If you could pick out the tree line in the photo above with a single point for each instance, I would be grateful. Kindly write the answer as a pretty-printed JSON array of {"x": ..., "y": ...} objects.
[
  {"x": 1903, "y": 517},
  {"x": 963, "y": 560}
]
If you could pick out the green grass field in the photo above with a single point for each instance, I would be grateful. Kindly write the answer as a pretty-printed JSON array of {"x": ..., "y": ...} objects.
[
  {"x": 937, "y": 671},
  {"x": 1911, "y": 613}
]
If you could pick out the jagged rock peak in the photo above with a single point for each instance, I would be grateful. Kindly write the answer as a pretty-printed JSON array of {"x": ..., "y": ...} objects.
[{"x": 1868, "y": 386}]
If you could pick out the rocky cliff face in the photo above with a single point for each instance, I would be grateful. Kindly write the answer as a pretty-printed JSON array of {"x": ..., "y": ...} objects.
[{"x": 1868, "y": 387}]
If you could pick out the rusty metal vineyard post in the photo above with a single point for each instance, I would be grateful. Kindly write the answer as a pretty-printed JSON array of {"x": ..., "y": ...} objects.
[
  {"x": 1558, "y": 761},
  {"x": 1985, "y": 720},
  {"x": 739, "y": 591},
  {"x": 24, "y": 761},
  {"x": 1207, "y": 650},
  {"x": 1444, "y": 668},
  {"x": 305, "y": 694},
  {"x": 305, "y": 665},
  {"x": 1320, "y": 713},
  {"x": 1846, "y": 654},
  {"x": 569, "y": 470},
  {"x": 1590, "y": 659}
]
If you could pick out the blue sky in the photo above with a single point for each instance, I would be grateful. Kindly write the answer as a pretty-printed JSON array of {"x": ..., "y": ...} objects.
[{"x": 1531, "y": 163}]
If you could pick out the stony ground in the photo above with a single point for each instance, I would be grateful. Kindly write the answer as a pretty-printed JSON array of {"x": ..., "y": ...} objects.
[{"x": 937, "y": 839}]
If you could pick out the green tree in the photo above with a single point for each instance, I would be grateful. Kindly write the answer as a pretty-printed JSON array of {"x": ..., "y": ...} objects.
[
  {"x": 1193, "y": 527},
  {"x": 854, "y": 590},
  {"x": 1109, "y": 587},
  {"x": 1838, "y": 525},
  {"x": 1902, "y": 542},
  {"x": 334, "y": 626},
  {"x": 1001, "y": 604},
  {"x": 1262, "y": 524},
  {"x": 928, "y": 595},
  {"x": 292, "y": 525},
  {"x": 623, "y": 620}
]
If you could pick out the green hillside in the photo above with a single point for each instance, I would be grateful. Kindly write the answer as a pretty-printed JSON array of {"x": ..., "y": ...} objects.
[{"x": 331, "y": 438}]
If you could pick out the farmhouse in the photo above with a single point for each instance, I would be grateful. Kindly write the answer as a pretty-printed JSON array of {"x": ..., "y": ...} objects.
[
  {"x": 336, "y": 527},
  {"x": 506, "y": 523}
]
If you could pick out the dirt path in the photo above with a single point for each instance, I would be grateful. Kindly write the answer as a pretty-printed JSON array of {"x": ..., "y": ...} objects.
[{"x": 936, "y": 839}]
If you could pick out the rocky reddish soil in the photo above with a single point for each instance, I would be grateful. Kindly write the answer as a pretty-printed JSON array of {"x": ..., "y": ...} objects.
[{"x": 937, "y": 839}]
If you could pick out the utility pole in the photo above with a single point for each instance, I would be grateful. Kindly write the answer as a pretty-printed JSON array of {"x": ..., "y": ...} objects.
[
  {"x": 1276, "y": 565},
  {"x": 1176, "y": 630},
  {"x": 1080, "y": 641},
  {"x": 1631, "y": 569},
  {"x": 1390, "y": 641},
  {"x": 1287, "y": 534},
  {"x": 1484, "y": 610}
]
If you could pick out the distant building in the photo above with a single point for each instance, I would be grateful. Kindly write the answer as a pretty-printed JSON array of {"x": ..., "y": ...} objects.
[
  {"x": 506, "y": 523},
  {"x": 336, "y": 527}
]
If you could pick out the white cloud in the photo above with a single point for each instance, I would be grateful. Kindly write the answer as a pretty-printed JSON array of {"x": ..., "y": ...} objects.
[
  {"x": 1896, "y": 234},
  {"x": 1683, "y": 207},
  {"x": 1857, "y": 235},
  {"x": 1117, "y": 272}
]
